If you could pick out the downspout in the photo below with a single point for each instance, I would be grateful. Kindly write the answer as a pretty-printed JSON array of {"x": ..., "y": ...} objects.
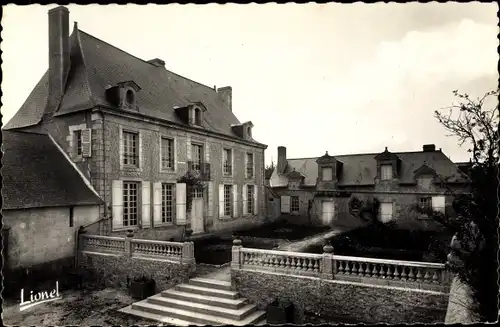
[{"x": 105, "y": 176}]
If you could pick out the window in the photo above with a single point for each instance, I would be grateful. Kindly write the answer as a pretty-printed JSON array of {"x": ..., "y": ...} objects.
[
  {"x": 385, "y": 172},
  {"x": 228, "y": 168},
  {"x": 197, "y": 152},
  {"x": 130, "y": 97},
  {"x": 167, "y": 203},
  {"x": 425, "y": 203},
  {"x": 197, "y": 117},
  {"x": 130, "y": 148},
  {"x": 294, "y": 204},
  {"x": 327, "y": 174},
  {"x": 250, "y": 198},
  {"x": 71, "y": 222},
  {"x": 77, "y": 137},
  {"x": 249, "y": 131},
  {"x": 227, "y": 199},
  {"x": 130, "y": 203},
  {"x": 249, "y": 165},
  {"x": 385, "y": 212},
  {"x": 167, "y": 153}
]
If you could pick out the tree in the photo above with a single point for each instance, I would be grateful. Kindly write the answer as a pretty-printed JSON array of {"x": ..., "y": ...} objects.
[
  {"x": 474, "y": 253},
  {"x": 269, "y": 170}
]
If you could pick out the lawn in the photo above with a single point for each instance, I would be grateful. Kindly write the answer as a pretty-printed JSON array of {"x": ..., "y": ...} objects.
[
  {"x": 89, "y": 307},
  {"x": 389, "y": 243}
]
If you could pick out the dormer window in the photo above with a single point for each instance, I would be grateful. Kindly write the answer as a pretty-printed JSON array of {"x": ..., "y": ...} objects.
[
  {"x": 385, "y": 172},
  {"x": 243, "y": 130},
  {"x": 327, "y": 174},
  {"x": 249, "y": 131},
  {"x": 197, "y": 116},
  {"x": 123, "y": 95}
]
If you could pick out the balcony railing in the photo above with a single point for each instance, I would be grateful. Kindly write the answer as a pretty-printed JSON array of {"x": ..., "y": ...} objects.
[{"x": 200, "y": 170}]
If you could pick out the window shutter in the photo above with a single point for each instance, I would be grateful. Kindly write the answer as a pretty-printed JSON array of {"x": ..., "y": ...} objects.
[
  {"x": 438, "y": 203},
  {"x": 285, "y": 204},
  {"x": 161, "y": 152},
  {"x": 221, "y": 200},
  {"x": 245, "y": 199},
  {"x": 207, "y": 152},
  {"x": 121, "y": 147},
  {"x": 117, "y": 198},
  {"x": 246, "y": 164},
  {"x": 235, "y": 201},
  {"x": 156, "y": 203},
  {"x": 256, "y": 200},
  {"x": 86, "y": 142},
  {"x": 180, "y": 203},
  {"x": 210, "y": 198},
  {"x": 188, "y": 153},
  {"x": 146, "y": 205},
  {"x": 139, "y": 161}
]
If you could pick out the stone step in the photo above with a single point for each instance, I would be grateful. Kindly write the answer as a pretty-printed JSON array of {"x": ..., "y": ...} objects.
[
  {"x": 156, "y": 317},
  {"x": 194, "y": 317},
  {"x": 207, "y": 291},
  {"x": 213, "y": 310},
  {"x": 211, "y": 283},
  {"x": 205, "y": 299}
]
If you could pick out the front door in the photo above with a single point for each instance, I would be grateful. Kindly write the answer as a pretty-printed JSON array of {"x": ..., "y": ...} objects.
[
  {"x": 197, "y": 223},
  {"x": 326, "y": 212}
]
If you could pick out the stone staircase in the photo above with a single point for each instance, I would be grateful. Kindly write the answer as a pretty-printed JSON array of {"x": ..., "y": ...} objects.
[{"x": 200, "y": 302}]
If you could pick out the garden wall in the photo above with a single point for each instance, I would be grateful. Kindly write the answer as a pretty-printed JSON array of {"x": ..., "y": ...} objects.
[
  {"x": 345, "y": 302},
  {"x": 118, "y": 270}
]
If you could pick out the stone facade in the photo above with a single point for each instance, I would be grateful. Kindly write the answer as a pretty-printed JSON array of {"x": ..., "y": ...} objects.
[{"x": 344, "y": 302}]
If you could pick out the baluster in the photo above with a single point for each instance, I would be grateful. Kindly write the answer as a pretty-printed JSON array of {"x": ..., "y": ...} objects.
[
  {"x": 306, "y": 263},
  {"x": 404, "y": 276},
  {"x": 411, "y": 275},
  {"x": 360, "y": 269},
  {"x": 389, "y": 272},
  {"x": 396, "y": 273},
  {"x": 435, "y": 277},
  {"x": 374, "y": 271},
  {"x": 316, "y": 265},
  {"x": 281, "y": 262},
  {"x": 340, "y": 267},
  {"x": 275, "y": 261},
  {"x": 348, "y": 267},
  {"x": 366, "y": 273},
  {"x": 287, "y": 262},
  {"x": 381, "y": 273},
  {"x": 427, "y": 276},
  {"x": 419, "y": 274}
]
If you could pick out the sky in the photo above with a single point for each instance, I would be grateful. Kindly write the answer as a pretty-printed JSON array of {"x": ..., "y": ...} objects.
[{"x": 342, "y": 78}]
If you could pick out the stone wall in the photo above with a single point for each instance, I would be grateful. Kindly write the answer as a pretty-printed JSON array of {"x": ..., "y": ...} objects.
[
  {"x": 344, "y": 302},
  {"x": 118, "y": 270}
]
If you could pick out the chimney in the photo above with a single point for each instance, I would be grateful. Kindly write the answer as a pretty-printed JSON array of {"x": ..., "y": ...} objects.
[
  {"x": 157, "y": 62},
  {"x": 59, "y": 56},
  {"x": 226, "y": 94},
  {"x": 281, "y": 165},
  {"x": 429, "y": 148}
]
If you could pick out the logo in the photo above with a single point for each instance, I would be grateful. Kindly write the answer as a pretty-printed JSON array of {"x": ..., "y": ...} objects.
[{"x": 39, "y": 298}]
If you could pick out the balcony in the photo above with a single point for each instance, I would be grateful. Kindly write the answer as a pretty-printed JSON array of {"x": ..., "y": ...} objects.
[{"x": 200, "y": 170}]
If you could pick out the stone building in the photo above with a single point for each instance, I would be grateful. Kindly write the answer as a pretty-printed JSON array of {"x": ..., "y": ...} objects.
[
  {"x": 324, "y": 188},
  {"x": 135, "y": 129}
]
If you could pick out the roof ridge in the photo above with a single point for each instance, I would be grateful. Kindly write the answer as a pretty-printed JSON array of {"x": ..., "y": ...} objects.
[
  {"x": 365, "y": 154},
  {"x": 145, "y": 61}
]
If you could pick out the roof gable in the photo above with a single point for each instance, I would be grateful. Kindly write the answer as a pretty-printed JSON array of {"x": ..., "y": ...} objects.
[
  {"x": 424, "y": 170},
  {"x": 46, "y": 179}
]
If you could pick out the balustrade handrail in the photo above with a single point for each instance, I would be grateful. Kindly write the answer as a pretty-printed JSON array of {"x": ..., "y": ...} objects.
[
  {"x": 283, "y": 253},
  {"x": 102, "y": 237},
  {"x": 390, "y": 262},
  {"x": 144, "y": 241}
]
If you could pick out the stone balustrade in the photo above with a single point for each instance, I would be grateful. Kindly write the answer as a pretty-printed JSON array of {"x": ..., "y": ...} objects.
[
  {"x": 409, "y": 274},
  {"x": 173, "y": 251}
]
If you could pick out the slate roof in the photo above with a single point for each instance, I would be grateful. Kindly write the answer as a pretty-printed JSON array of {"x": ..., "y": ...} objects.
[
  {"x": 361, "y": 169},
  {"x": 47, "y": 178},
  {"x": 97, "y": 65}
]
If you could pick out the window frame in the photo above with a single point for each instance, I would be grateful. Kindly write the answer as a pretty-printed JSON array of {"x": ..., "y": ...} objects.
[
  {"x": 78, "y": 145},
  {"x": 170, "y": 147},
  {"x": 323, "y": 178},
  {"x": 250, "y": 199},
  {"x": 128, "y": 199},
  {"x": 227, "y": 162},
  {"x": 250, "y": 165},
  {"x": 228, "y": 200},
  {"x": 383, "y": 172},
  {"x": 126, "y": 147},
  {"x": 294, "y": 205},
  {"x": 197, "y": 165},
  {"x": 167, "y": 203}
]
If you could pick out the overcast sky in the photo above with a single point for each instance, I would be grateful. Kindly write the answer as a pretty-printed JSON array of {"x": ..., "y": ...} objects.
[{"x": 314, "y": 78}]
